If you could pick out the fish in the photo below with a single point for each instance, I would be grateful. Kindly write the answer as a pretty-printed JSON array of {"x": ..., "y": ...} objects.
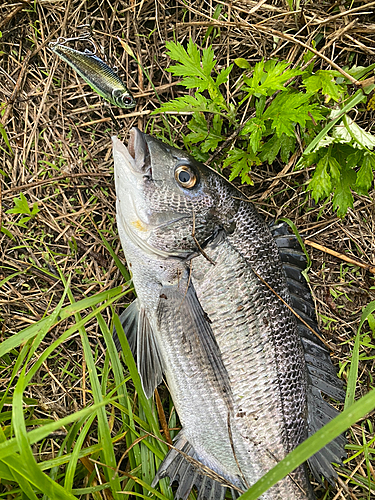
[
  {"x": 245, "y": 374},
  {"x": 101, "y": 78}
]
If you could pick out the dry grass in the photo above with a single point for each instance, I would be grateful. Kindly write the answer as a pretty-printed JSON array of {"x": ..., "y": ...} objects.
[{"x": 59, "y": 132}]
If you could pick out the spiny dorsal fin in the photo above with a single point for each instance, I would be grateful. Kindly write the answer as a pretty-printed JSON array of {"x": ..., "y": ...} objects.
[{"x": 321, "y": 375}]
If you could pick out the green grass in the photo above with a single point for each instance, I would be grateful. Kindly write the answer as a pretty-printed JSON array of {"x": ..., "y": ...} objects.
[
  {"x": 118, "y": 412},
  {"x": 111, "y": 406}
]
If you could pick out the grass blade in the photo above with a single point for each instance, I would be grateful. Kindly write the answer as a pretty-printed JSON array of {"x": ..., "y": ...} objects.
[
  {"x": 356, "y": 99},
  {"x": 108, "y": 455},
  {"x": 72, "y": 465},
  {"x": 16, "y": 340},
  {"x": 313, "y": 444},
  {"x": 33, "y": 473},
  {"x": 10, "y": 446},
  {"x": 353, "y": 373}
]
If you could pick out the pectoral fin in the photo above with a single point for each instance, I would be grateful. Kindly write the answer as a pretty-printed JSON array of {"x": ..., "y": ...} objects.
[
  {"x": 143, "y": 345},
  {"x": 179, "y": 310},
  {"x": 129, "y": 322}
]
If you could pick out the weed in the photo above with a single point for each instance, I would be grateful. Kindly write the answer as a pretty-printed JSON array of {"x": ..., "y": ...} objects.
[
  {"x": 317, "y": 107},
  {"x": 22, "y": 207}
]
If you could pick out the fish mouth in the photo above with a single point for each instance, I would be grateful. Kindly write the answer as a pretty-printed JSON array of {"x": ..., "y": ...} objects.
[
  {"x": 132, "y": 169},
  {"x": 138, "y": 154}
]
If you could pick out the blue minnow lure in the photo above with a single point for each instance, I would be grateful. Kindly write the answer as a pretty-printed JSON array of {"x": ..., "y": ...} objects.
[{"x": 96, "y": 73}]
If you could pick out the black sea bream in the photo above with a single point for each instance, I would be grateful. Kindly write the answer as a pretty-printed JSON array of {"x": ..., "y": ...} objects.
[{"x": 245, "y": 375}]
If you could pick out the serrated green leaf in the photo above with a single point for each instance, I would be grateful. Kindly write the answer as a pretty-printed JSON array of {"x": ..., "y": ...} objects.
[
  {"x": 334, "y": 168},
  {"x": 222, "y": 77},
  {"x": 343, "y": 198},
  {"x": 197, "y": 153},
  {"x": 289, "y": 108},
  {"x": 196, "y": 73},
  {"x": 320, "y": 184},
  {"x": 365, "y": 175},
  {"x": 260, "y": 104},
  {"x": 355, "y": 158},
  {"x": 192, "y": 82},
  {"x": 324, "y": 80},
  {"x": 198, "y": 126},
  {"x": 269, "y": 77},
  {"x": 214, "y": 136},
  {"x": 188, "y": 104},
  {"x": 242, "y": 162},
  {"x": 278, "y": 74},
  {"x": 271, "y": 149},
  {"x": 242, "y": 63},
  {"x": 208, "y": 58},
  {"x": 288, "y": 145},
  {"x": 255, "y": 128},
  {"x": 210, "y": 137}
]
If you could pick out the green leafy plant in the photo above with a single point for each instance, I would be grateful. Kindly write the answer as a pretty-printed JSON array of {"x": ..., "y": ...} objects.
[
  {"x": 284, "y": 101},
  {"x": 22, "y": 207}
]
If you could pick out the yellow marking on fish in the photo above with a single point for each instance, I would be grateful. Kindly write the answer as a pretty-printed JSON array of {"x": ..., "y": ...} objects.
[{"x": 138, "y": 224}]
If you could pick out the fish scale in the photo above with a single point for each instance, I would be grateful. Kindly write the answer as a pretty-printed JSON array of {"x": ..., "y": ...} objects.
[
  {"x": 245, "y": 340},
  {"x": 245, "y": 375}
]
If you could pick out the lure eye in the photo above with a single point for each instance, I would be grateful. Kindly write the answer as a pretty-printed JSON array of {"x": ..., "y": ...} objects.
[
  {"x": 185, "y": 176},
  {"x": 127, "y": 101}
]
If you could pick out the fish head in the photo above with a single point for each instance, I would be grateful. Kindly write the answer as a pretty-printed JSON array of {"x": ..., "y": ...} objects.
[{"x": 166, "y": 200}]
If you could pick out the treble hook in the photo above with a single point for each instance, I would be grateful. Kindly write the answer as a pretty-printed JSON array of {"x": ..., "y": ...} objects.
[{"x": 85, "y": 36}]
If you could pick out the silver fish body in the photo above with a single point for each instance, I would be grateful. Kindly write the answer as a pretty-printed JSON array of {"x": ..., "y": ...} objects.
[
  {"x": 239, "y": 367},
  {"x": 97, "y": 74}
]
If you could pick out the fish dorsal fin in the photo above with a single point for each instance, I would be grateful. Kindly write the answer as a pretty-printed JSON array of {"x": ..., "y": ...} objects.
[
  {"x": 143, "y": 345},
  {"x": 321, "y": 376},
  {"x": 179, "y": 309}
]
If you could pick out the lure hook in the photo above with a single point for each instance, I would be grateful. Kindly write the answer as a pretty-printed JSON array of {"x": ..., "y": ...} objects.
[{"x": 86, "y": 36}]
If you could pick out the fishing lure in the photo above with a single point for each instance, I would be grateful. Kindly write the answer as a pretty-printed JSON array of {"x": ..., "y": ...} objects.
[{"x": 101, "y": 78}]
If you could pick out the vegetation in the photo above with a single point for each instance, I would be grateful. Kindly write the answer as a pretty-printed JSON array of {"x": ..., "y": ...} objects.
[
  {"x": 264, "y": 105},
  {"x": 316, "y": 107}
]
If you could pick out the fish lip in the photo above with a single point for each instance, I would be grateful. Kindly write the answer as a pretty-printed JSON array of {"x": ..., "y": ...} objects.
[
  {"x": 139, "y": 151},
  {"x": 136, "y": 153},
  {"x": 129, "y": 159}
]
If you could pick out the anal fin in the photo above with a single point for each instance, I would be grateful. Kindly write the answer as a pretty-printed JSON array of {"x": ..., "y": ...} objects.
[{"x": 187, "y": 475}]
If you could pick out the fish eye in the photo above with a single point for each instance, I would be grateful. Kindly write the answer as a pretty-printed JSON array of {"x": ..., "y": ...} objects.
[{"x": 185, "y": 176}]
